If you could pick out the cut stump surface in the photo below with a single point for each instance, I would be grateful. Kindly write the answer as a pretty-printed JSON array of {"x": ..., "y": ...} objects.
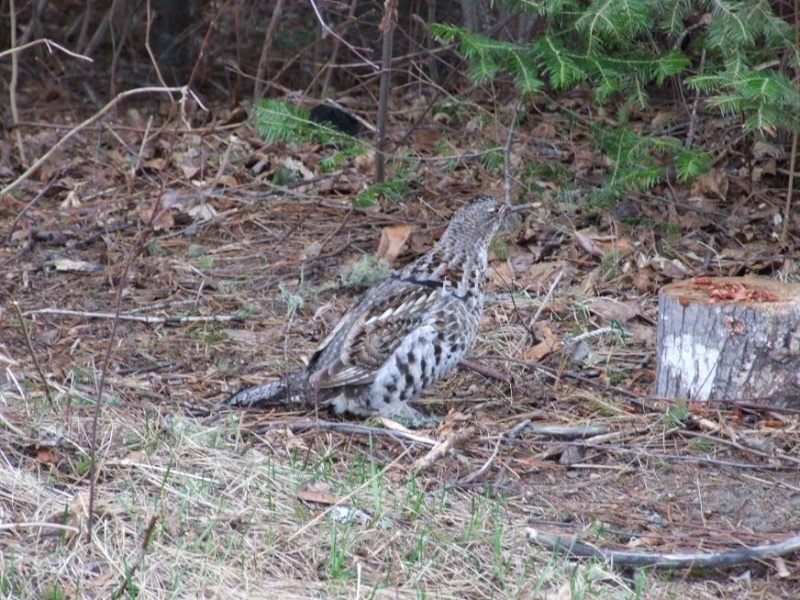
[{"x": 730, "y": 339}]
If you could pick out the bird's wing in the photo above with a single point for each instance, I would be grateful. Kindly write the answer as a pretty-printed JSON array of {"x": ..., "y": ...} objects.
[{"x": 373, "y": 329}]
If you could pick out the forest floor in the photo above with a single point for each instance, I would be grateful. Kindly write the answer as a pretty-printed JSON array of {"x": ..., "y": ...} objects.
[{"x": 165, "y": 265}]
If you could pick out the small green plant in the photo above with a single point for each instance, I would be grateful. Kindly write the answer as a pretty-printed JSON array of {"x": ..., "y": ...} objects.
[
  {"x": 488, "y": 56},
  {"x": 673, "y": 230},
  {"x": 615, "y": 377},
  {"x": 337, "y": 159},
  {"x": 213, "y": 335},
  {"x": 492, "y": 159},
  {"x": 640, "y": 579},
  {"x": 283, "y": 175},
  {"x": 376, "y": 483},
  {"x": 417, "y": 553},
  {"x": 152, "y": 247},
  {"x": 82, "y": 465},
  {"x": 54, "y": 592},
  {"x": 677, "y": 414},
  {"x": 702, "y": 445},
  {"x": 366, "y": 271},
  {"x": 498, "y": 247},
  {"x": 337, "y": 556},
  {"x": 196, "y": 251},
  {"x": 281, "y": 121},
  {"x": 415, "y": 498},
  {"x": 5, "y": 584},
  {"x": 80, "y": 374},
  {"x": 292, "y": 300},
  {"x": 391, "y": 188}
]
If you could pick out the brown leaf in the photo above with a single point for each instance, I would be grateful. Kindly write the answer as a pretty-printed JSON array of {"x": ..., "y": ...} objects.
[
  {"x": 189, "y": 171},
  {"x": 613, "y": 310},
  {"x": 713, "y": 184},
  {"x": 533, "y": 276},
  {"x": 317, "y": 492},
  {"x": 42, "y": 453},
  {"x": 545, "y": 130},
  {"x": 163, "y": 219},
  {"x": 312, "y": 250},
  {"x": 550, "y": 344},
  {"x": 674, "y": 269},
  {"x": 662, "y": 118},
  {"x": 601, "y": 248},
  {"x": 392, "y": 241},
  {"x": 762, "y": 149},
  {"x": 499, "y": 275},
  {"x": 155, "y": 164}
]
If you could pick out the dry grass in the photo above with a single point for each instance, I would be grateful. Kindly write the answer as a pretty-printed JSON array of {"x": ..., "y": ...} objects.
[{"x": 229, "y": 523}]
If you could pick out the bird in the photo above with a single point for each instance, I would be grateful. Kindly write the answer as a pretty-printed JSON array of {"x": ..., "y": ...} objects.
[{"x": 404, "y": 334}]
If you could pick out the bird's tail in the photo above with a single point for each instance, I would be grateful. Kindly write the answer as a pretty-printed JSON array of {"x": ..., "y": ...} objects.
[{"x": 288, "y": 390}]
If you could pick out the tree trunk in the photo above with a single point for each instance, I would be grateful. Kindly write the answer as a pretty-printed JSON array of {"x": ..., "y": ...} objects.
[{"x": 729, "y": 338}]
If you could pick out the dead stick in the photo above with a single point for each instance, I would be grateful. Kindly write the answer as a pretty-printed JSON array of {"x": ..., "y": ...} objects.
[
  {"x": 139, "y": 318},
  {"x": 570, "y": 545},
  {"x": 72, "y": 132},
  {"x": 29, "y": 344}
]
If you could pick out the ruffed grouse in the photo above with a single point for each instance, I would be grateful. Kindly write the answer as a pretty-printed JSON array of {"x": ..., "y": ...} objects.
[{"x": 405, "y": 333}]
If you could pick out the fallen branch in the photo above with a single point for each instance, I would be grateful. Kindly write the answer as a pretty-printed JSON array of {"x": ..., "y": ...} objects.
[
  {"x": 139, "y": 318},
  {"x": 687, "y": 560},
  {"x": 304, "y": 425},
  {"x": 485, "y": 467},
  {"x": 442, "y": 448},
  {"x": 39, "y": 525},
  {"x": 185, "y": 92}
]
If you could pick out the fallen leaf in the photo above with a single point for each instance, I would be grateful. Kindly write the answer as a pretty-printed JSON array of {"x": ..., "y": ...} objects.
[
  {"x": 392, "y": 241},
  {"x": 613, "y": 310},
  {"x": 202, "y": 212},
  {"x": 156, "y": 164},
  {"x": 189, "y": 171},
  {"x": 662, "y": 119},
  {"x": 294, "y": 165},
  {"x": 602, "y": 246},
  {"x": 312, "y": 250},
  {"x": 713, "y": 184},
  {"x": 762, "y": 149},
  {"x": 545, "y": 130},
  {"x": 46, "y": 455},
  {"x": 243, "y": 336},
  {"x": 548, "y": 345},
  {"x": 163, "y": 219},
  {"x": 674, "y": 269},
  {"x": 227, "y": 181},
  {"x": 317, "y": 492},
  {"x": 72, "y": 200}
]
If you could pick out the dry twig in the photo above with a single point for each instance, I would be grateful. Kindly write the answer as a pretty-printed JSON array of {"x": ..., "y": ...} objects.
[
  {"x": 727, "y": 558},
  {"x": 35, "y": 360},
  {"x": 441, "y": 448},
  {"x": 75, "y": 130},
  {"x": 139, "y": 318}
]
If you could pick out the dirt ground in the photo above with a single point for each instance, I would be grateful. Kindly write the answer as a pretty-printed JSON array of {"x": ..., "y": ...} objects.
[{"x": 221, "y": 279}]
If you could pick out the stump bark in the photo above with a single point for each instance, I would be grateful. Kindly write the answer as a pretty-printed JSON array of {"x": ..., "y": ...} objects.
[{"x": 730, "y": 339}]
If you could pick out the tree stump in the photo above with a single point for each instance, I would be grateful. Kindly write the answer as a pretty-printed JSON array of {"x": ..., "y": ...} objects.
[{"x": 729, "y": 338}]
